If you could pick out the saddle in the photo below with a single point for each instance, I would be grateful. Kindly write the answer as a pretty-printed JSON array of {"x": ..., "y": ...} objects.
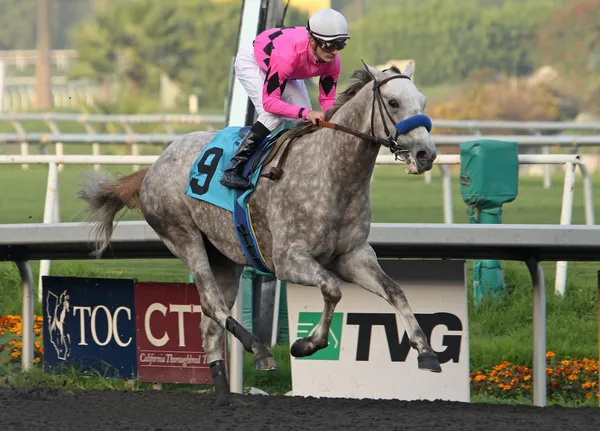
[
  {"x": 203, "y": 183},
  {"x": 267, "y": 151}
]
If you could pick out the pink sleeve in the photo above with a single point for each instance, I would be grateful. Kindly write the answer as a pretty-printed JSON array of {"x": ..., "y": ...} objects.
[
  {"x": 328, "y": 85},
  {"x": 277, "y": 75}
]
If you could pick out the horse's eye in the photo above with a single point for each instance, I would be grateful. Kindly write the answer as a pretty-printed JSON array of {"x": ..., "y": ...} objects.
[{"x": 393, "y": 103}]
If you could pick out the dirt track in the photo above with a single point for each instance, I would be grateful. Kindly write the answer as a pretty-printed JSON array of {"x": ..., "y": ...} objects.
[{"x": 28, "y": 409}]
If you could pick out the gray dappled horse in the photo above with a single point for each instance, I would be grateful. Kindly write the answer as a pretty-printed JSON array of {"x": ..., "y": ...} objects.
[{"x": 312, "y": 224}]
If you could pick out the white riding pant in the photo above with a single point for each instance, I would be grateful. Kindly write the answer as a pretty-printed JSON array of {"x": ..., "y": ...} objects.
[{"x": 252, "y": 78}]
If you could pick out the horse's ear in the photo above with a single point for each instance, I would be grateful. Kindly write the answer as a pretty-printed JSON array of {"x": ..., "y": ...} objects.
[
  {"x": 409, "y": 69},
  {"x": 373, "y": 71}
]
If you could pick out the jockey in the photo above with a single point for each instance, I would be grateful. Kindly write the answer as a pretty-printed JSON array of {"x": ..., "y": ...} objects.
[{"x": 272, "y": 71}]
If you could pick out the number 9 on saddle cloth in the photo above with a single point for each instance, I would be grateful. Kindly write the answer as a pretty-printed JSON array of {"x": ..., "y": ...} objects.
[{"x": 204, "y": 185}]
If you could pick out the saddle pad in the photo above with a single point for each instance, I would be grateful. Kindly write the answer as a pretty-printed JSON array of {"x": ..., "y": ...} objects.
[{"x": 208, "y": 169}]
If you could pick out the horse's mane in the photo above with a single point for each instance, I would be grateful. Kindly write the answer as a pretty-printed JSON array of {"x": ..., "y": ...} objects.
[{"x": 358, "y": 79}]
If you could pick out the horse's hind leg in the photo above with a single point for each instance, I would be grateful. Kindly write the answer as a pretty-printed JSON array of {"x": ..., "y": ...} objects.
[
  {"x": 227, "y": 276},
  {"x": 187, "y": 243}
]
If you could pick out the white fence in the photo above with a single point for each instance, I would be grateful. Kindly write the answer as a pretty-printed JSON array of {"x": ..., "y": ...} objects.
[
  {"x": 23, "y": 58},
  {"x": 534, "y": 133},
  {"x": 574, "y": 141},
  {"x": 52, "y": 209},
  {"x": 134, "y": 140},
  {"x": 475, "y": 126}
]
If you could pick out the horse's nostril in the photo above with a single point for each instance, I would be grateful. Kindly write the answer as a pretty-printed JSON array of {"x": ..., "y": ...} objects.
[{"x": 422, "y": 155}]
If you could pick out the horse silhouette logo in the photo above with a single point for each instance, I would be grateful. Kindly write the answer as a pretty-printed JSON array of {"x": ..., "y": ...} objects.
[{"x": 57, "y": 308}]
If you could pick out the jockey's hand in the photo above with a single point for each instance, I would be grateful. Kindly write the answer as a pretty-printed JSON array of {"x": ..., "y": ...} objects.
[{"x": 314, "y": 115}]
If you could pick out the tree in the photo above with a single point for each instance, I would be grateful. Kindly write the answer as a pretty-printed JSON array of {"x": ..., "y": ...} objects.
[
  {"x": 136, "y": 40},
  {"x": 16, "y": 29},
  {"x": 510, "y": 32},
  {"x": 437, "y": 34},
  {"x": 17, "y": 22},
  {"x": 569, "y": 39}
]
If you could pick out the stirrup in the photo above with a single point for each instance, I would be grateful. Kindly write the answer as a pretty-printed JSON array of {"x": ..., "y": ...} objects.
[{"x": 233, "y": 181}]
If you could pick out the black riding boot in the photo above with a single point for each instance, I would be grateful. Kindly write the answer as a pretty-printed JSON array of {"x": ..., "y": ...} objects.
[{"x": 232, "y": 177}]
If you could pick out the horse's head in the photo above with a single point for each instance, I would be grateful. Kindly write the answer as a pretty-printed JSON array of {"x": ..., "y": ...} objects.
[{"x": 397, "y": 113}]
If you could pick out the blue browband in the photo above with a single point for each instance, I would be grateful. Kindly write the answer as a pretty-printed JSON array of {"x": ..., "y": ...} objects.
[{"x": 413, "y": 122}]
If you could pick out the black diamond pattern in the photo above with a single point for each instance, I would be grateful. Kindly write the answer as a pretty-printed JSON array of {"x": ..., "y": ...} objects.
[
  {"x": 275, "y": 35},
  {"x": 268, "y": 48},
  {"x": 267, "y": 61},
  {"x": 267, "y": 74},
  {"x": 282, "y": 86},
  {"x": 327, "y": 83},
  {"x": 273, "y": 83}
]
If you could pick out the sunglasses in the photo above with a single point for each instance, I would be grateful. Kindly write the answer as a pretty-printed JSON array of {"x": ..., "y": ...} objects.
[{"x": 330, "y": 46}]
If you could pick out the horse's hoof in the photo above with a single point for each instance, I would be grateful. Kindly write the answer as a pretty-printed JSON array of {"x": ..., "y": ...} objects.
[
  {"x": 223, "y": 399},
  {"x": 238, "y": 402},
  {"x": 263, "y": 359},
  {"x": 305, "y": 347},
  {"x": 429, "y": 361},
  {"x": 266, "y": 363}
]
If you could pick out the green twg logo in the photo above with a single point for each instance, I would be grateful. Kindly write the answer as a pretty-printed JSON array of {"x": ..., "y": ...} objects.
[{"x": 307, "y": 323}]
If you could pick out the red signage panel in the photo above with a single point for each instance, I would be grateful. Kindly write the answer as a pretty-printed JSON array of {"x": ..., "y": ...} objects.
[{"x": 169, "y": 345}]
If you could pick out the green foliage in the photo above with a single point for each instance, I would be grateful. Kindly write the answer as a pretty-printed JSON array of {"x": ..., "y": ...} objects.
[
  {"x": 570, "y": 37},
  {"x": 449, "y": 40},
  {"x": 509, "y": 33},
  {"x": 18, "y": 22},
  {"x": 16, "y": 19},
  {"x": 192, "y": 42},
  {"x": 137, "y": 40}
]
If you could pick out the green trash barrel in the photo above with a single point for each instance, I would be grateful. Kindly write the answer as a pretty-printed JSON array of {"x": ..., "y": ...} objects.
[{"x": 489, "y": 177}]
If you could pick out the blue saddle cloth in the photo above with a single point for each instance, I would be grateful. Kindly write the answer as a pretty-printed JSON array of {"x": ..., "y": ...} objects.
[{"x": 207, "y": 170}]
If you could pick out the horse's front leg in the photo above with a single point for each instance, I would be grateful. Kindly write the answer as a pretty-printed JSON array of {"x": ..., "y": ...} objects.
[
  {"x": 360, "y": 266},
  {"x": 295, "y": 265}
]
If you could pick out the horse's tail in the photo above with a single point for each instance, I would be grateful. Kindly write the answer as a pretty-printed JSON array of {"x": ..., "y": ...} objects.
[{"x": 105, "y": 198}]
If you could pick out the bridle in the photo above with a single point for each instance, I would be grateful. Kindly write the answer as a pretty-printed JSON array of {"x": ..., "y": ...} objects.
[{"x": 402, "y": 127}]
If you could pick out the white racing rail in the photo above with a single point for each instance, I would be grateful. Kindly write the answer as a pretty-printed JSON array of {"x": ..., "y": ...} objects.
[
  {"x": 134, "y": 139},
  {"x": 572, "y": 161},
  {"x": 534, "y": 127},
  {"x": 162, "y": 138},
  {"x": 532, "y": 244}
]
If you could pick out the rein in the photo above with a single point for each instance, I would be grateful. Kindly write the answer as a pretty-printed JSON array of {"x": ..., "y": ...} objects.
[
  {"x": 354, "y": 132},
  {"x": 402, "y": 127}
]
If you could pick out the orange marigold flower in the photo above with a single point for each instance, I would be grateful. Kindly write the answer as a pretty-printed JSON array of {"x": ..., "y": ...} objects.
[
  {"x": 480, "y": 377},
  {"x": 550, "y": 354},
  {"x": 573, "y": 377}
]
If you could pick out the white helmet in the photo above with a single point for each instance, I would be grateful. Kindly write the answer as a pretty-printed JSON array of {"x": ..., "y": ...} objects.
[{"x": 327, "y": 24}]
